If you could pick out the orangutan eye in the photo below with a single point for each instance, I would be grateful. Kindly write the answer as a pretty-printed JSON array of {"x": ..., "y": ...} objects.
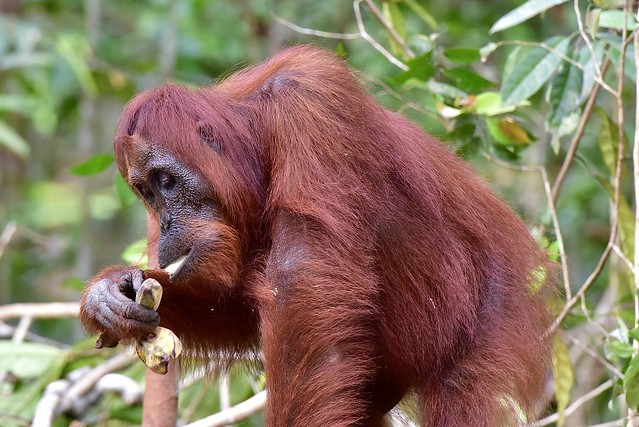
[
  {"x": 165, "y": 181},
  {"x": 145, "y": 192}
]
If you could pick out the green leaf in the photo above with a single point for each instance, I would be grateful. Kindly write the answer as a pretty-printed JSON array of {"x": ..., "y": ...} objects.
[
  {"x": 489, "y": 104},
  {"x": 629, "y": 62},
  {"x": 94, "y": 165},
  {"x": 614, "y": 20},
  {"x": 523, "y": 13},
  {"x": 506, "y": 131},
  {"x": 592, "y": 22},
  {"x": 589, "y": 63},
  {"x": 462, "y": 56},
  {"x": 443, "y": 89},
  {"x": 13, "y": 142},
  {"x": 136, "y": 254},
  {"x": 422, "y": 13},
  {"x": 532, "y": 71},
  {"x": 468, "y": 81},
  {"x": 609, "y": 4},
  {"x": 563, "y": 376},
  {"x": 607, "y": 141},
  {"x": 631, "y": 383},
  {"x": 394, "y": 15},
  {"x": 565, "y": 94},
  {"x": 420, "y": 68},
  {"x": 28, "y": 360},
  {"x": 626, "y": 218},
  {"x": 566, "y": 127}
]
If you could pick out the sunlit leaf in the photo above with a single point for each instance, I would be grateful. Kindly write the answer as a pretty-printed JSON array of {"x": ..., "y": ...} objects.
[
  {"x": 28, "y": 360},
  {"x": 631, "y": 383},
  {"x": 592, "y": 21},
  {"x": 564, "y": 94},
  {"x": 94, "y": 165},
  {"x": 507, "y": 132},
  {"x": 394, "y": 15},
  {"x": 489, "y": 104},
  {"x": 614, "y": 20},
  {"x": 523, "y": 13},
  {"x": 609, "y": 4},
  {"x": 13, "y": 142},
  {"x": 533, "y": 71},
  {"x": 563, "y": 376},
  {"x": 607, "y": 141}
]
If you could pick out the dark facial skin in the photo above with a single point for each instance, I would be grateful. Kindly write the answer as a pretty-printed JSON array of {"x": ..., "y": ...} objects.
[{"x": 174, "y": 195}]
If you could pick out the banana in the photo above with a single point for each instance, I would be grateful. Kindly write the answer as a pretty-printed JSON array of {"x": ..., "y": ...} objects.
[{"x": 162, "y": 345}]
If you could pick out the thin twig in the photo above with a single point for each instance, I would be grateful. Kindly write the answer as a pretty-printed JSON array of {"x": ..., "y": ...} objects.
[
  {"x": 623, "y": 258},
  {"x": 576, "y": 138},
  {"x": 635, "y": 164},
  {"x": 316, "y": 33},
  {"x": 7, "y": 234},
  {"x": 390, "y": 30},
  {"x": 362, "y": 30},
  {"x": 575, "y": 405},
  {"x": 595, "y": 356},
  {"x": 551, "y": 209},
  {"x": 586, "y": 39}
]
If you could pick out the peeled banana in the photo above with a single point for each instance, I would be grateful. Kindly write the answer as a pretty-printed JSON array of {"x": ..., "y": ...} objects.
[{"x": 162, "y": 345}]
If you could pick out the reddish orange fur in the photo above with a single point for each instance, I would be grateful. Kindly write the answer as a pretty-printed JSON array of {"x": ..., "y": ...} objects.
[{"x": 365, "y": 258}]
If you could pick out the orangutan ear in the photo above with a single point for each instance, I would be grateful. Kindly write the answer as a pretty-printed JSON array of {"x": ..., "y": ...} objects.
[{"x": 208, "y": 136}]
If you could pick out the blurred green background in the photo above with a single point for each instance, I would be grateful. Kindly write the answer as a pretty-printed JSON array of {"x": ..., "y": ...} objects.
[{"x": 67, "y": 67}]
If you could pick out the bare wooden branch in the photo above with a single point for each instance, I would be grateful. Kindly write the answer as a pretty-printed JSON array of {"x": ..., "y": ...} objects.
[
  {"x": 40, "y": 310},
  {"x": 237, "y": 413},
  {"x": 362, "y": 30},
  {"x": 390, "y": 29},
  {"x": 316, "y": 33}
]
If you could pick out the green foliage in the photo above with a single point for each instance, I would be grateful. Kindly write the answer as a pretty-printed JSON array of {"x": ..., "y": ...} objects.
[
  {"x": 94, "y": 165},
  {"x": 513, "y": 87}
]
